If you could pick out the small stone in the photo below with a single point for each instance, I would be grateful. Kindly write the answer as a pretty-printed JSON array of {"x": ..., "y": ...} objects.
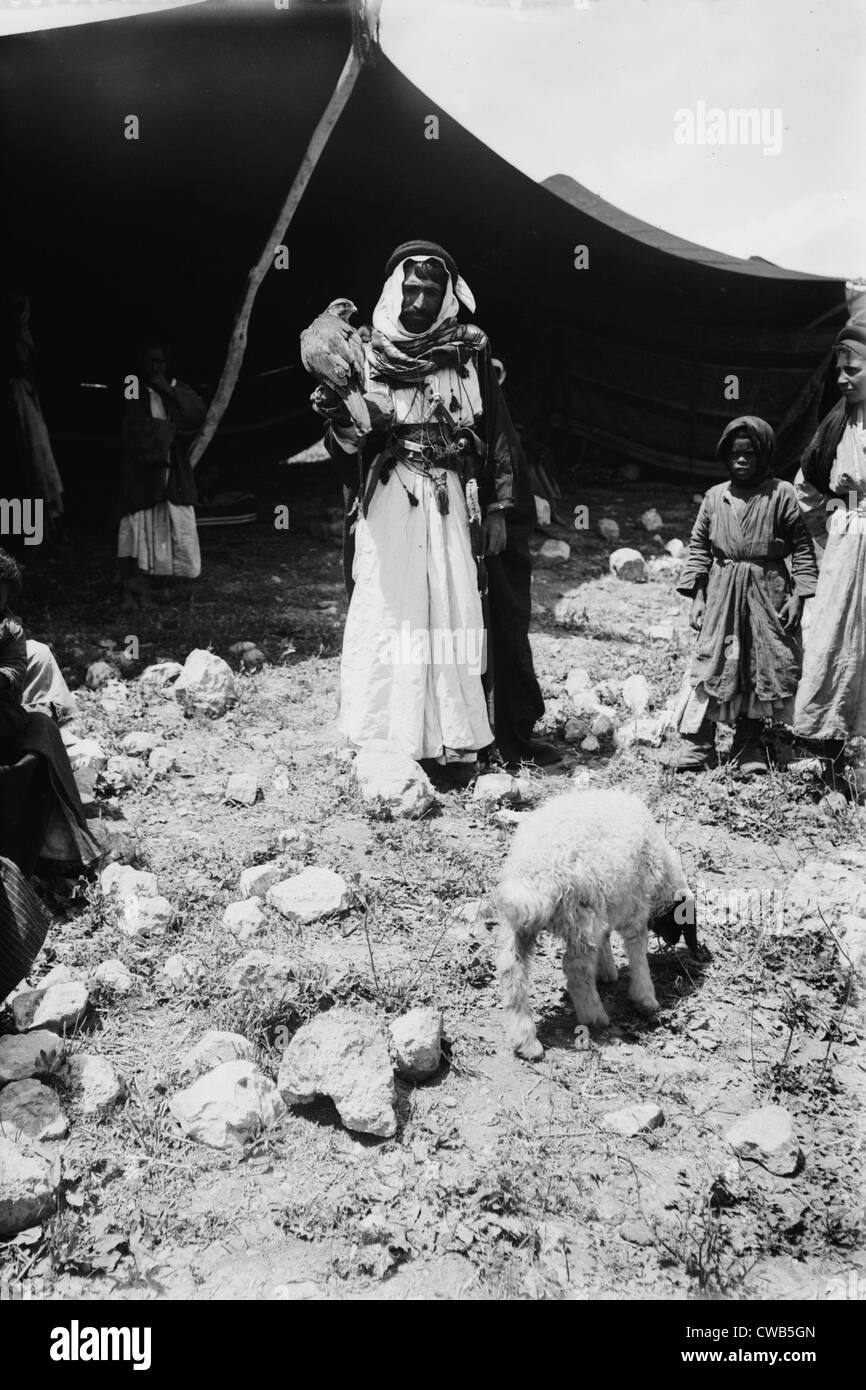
[
  {"x": 577, "y": 682},
  {"x": 634, "y": 1119},
  {"x": 581, "y": 779},
  {"x": 161, "y": 676},
  {"x": 254, "y": 658},
  {"x": 145, "y": 916},
  {"x": 300, "y": 842},
  {"x": 261, "y": 974},
  {"x": 499, "y": 788},
  {"x": 58, "y": 975},
  {"x": 576, "y": 730},
  {"x": 226, "y": 1106},
  {"x": 642, "y": 731},
  {"x": 590, "y": 744},
  {"x": 113, "y": 977},
  {"x": 663, "y": 632},
  {"x": 38, "y": 1053},
  {"x": 123, "y": 772},
  {"x": 766, "y": 1136},
  {"x": 59, "y": 1008},
  {"x": 27, "y": 1188},
  {"x": 416, "y": 1040},
  {"x": 178, "y": 971},
  {"x": 554, "y": 552},
  {"x": 345, "y": 1056},
  {"x": 127, "y": 882},
  {"x": 675, "y": 548},
  {"x": 310, "y": 895},
  {"x": 238, "y": 648},
  {"x": 245, "y": 919},
  {"x": 833, "y": 804},
  {"x": 32, "y": 1111},
  {"x": 139, "y": 741},
  {"x": 212, "y": 1049},
  {"x": 651, "y": 521},
  {"x": 87, "y": 753},
  {"x": 628, "y": 565},
  {"x": 255, "y": 881},
  {"x": 99, "y": 673},
  {"x": 392, "y": 782},
  {"x": 602, "y": 725},
  {"x": 542, "y": 511},
  {"x": 608, "y": 530},
  {"x": 161, "y": 761},
  {"x": 95, "y": 1078},
  {"x": 242, "y": 788},
  {"x": 636, "y": 694},
  {"x": 206, "y": 683}
]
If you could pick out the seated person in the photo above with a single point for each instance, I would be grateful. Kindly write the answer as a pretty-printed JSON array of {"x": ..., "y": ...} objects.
[{"x": 41, "y": 816}]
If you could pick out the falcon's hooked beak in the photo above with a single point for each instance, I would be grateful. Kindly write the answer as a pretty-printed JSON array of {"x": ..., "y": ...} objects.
[{"x": 342, "y": 308}]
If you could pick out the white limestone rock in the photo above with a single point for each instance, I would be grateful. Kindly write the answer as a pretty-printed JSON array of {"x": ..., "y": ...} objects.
[
  {"x": 161, "y": 761},
  {"x": 651, "y": 520},
  {"x": 28, "y": 1188},
  {"x": 141, "y": 917},
  {"x": 242, "y": 789},
  {"x": 98, "y": 1085},
  {"x": 59, "y": 1008},
  {"x": 255, "y": 881},
  {"x": 345, "y": 1056},
  {"x": 501, "y": 789},
  {"x": 310, "y": 895},
  {"x": 634, "y": 1119},
  {"x": 245, "y": 919},
  {"x": 113, "y": 977},
  {"x": 139, "y": 741},
  {"x": 37, "y": 1053},
  {"x": 391, "y": 782},
  {"x": 629, "y": 565},
  {"x": 416, "y": 1043},
  {"x": 608, "y": 530},
  {"x": 228, "y": 1105},
  {"x": 554, "y": 553},
  {"x": 206, "y": 683},
  {"x": 161, "y": 676},
  {"x": 87, "y": 753},
  {"x": 766, "y": 1136},
  {"x": 213, "y": 1049},
  {"x": 636, "y": 694},
  {"x": 30, "y": 1110}
]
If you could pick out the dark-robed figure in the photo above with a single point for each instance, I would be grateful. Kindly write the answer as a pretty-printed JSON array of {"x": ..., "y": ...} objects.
[
  {"x": 746, "y": 606},
  {"x": 42, "y": 821},
  {"x": 436, "y": 654}
]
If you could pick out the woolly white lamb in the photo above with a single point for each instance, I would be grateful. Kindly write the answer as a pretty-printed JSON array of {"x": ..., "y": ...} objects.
[{"x": 585, "y": 864}]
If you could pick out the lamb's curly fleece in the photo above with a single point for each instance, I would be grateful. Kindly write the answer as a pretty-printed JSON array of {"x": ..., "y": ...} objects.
[{"x": 584, "y": 864}]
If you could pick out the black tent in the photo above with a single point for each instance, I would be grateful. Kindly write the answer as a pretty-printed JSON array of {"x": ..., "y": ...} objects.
[{"x": 115, "y": 237}]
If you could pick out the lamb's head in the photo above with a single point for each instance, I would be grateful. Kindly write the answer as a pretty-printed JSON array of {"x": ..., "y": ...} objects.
[{"x": 680, "y": 920}]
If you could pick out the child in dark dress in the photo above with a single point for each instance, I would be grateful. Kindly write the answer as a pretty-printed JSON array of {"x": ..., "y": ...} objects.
[{"x": 746, "y": 606}]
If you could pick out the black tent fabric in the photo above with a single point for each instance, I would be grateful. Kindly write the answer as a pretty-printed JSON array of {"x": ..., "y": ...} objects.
[{"x": 114, "y": 238}]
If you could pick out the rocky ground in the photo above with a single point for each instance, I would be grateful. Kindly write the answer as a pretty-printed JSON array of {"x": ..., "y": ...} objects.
[{"x": 716, "y": 1151}]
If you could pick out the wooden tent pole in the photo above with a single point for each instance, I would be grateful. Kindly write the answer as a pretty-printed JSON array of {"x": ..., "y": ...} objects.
[{"x": 364, "y": 38}]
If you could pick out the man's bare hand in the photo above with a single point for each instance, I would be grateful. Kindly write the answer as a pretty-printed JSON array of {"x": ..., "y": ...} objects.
[
  {"x": 699, "y": 608},
  {"x": 493, "y": 533}
]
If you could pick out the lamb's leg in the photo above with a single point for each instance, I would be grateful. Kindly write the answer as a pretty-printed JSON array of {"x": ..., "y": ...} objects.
[
  {"x": 607, "y": 971},
  {"x": 513, "y": 964},
  {"x": 640, "y": 990},
  {"x": 579, "y": 964}
]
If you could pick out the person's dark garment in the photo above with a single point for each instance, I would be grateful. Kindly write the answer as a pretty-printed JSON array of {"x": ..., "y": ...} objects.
[{"x": 150, "y": 446}]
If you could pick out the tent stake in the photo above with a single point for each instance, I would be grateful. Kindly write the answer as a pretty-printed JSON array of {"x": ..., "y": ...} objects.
[{"x": 365, "y": 15}]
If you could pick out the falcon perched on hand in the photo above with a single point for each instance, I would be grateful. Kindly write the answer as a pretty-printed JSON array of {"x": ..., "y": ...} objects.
[{"x": 332, "y": 350}]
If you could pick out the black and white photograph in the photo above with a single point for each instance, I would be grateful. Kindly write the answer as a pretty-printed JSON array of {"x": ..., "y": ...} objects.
[{"x": 433, "y": 668}]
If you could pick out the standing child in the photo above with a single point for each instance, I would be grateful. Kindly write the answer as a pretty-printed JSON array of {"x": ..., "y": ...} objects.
[{"x": 746, "y": 606}]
